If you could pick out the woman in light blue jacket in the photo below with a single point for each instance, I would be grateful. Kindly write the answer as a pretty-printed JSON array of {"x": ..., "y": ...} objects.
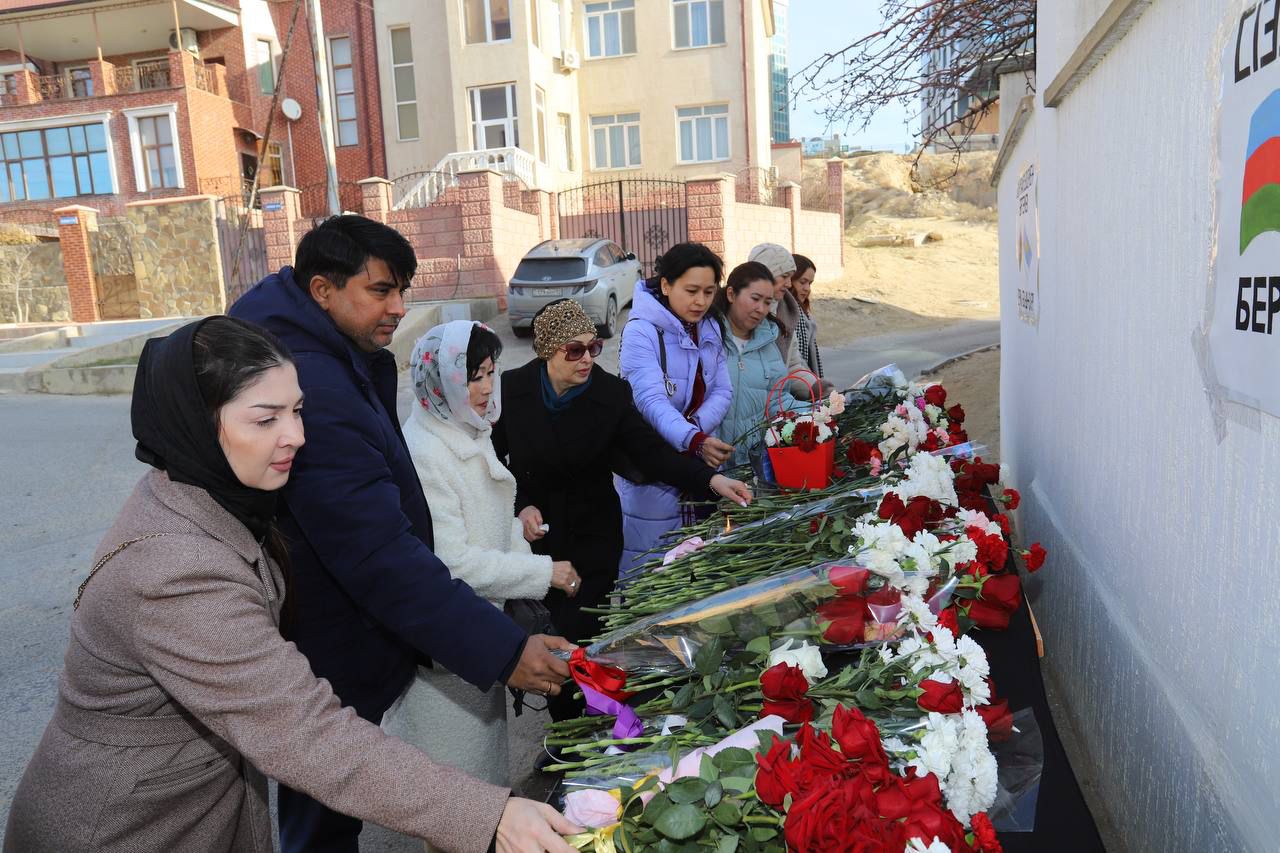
[
  {"x": 674, "y": 360},
  {"x": 750, "y": 335}
]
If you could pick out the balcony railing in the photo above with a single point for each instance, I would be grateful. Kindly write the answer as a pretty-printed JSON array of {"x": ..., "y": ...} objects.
[
  {"x": 142, "y": 78},
  {"x": 53, "y": 87},
  {"x": 514, "y": 164}
]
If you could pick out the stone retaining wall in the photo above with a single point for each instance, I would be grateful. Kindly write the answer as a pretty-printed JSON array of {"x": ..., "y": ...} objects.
[{"x": 33, "y": 288}]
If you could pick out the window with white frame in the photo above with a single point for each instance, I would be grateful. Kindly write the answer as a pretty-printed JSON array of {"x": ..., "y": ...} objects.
[
  {"x": 406, "y": 91},
  {"x": 615, "y": 141},
  {"x": 487, "y": 20},
  {"x": 704, "y": 133},
  {"x": 611, "y": 28},
  {"x": 272, "y": 174},
  {"x": 343, "y": 80},
  {"x": 153, "y": 138},
  {"x": 55, "y": 162},
  {"x": 566, "y": 136},
  {"x": 540, "y": 115},
  {"x": 266, "y": 67},
  {"x": 494, "y": 123},
  {"x": 698, "y": 23}
]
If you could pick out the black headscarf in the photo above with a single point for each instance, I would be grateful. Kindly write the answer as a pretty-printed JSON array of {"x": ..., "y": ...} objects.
[{"x": 176, "y": 433}]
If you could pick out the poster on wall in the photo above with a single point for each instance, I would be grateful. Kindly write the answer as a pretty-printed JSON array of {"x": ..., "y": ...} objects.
[
  {"x": 1027, "y": 244},
  {"x": 1244, "y": 335}
]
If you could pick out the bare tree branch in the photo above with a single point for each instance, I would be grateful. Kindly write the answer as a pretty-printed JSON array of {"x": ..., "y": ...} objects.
[{"x": 926, "y": 52}]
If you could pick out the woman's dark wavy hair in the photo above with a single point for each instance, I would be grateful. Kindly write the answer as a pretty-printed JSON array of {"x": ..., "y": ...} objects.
[
  {"x": 803, "y": 265},
  {"x": 741, "y": 276},
  {"x": 677, "y": 261},
  {"x": 483, "y": 344},
  {"x": 229, "y": 355}
]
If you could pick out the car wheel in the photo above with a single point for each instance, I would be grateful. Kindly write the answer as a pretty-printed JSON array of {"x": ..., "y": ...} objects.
[
  {"x": 610, "y": 326},
  {"x": 522, "y": 331}
]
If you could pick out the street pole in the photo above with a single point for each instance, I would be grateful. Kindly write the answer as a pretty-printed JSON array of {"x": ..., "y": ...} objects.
[{"x": 325, "y": 113}]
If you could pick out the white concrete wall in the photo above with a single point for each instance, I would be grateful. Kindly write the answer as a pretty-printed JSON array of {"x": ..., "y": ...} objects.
[{"x": 1161, "y": 599}]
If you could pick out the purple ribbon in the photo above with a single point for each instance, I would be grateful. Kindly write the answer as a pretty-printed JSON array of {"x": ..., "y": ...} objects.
[{"x": 627, "y": 725}]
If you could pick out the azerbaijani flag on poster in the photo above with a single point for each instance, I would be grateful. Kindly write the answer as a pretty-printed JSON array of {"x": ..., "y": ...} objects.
[{"x": 1260, "y": 209}]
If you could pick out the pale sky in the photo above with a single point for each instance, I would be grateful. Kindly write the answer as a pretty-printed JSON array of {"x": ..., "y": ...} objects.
[{"x": 820, "y": 26}]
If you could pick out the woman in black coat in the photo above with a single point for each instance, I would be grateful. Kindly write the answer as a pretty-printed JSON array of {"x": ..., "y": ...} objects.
[{"x": 565, "y": 422}]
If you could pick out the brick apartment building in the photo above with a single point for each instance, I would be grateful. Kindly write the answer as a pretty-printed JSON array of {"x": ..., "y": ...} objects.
[{"x": 105, "y": 102}]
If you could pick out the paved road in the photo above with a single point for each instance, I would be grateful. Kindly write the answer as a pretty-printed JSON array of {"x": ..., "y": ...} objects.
[{"x": 68, "y": 465}]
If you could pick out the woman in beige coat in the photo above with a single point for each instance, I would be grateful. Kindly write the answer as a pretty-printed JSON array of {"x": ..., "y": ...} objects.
[{"x": 179, "y": 696}]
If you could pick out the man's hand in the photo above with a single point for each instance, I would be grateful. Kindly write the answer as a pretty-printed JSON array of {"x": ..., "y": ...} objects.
[
  {"x": 530, "y": 827},
  {"x": 539, "y": 671},
  {"x": 735, "y": 490},
  {"x": 531, "y": 520},
  {"x": 715, "y": 452}
]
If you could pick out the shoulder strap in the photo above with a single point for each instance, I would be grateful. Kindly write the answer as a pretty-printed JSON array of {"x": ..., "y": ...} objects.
[
  {"x": 667, "y": 384},
  {"x": 107, "y": 556}
]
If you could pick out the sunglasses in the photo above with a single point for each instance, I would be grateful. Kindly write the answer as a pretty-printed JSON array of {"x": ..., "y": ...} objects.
[{"x": 575, "y": 350}]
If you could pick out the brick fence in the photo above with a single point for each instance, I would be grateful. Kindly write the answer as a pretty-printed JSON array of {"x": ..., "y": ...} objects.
[
  {"x": 470, "y": 239},
  {"x": 730, "y": 228}
]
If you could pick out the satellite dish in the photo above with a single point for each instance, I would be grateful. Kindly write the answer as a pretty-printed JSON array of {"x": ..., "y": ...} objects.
[{"x": 292, "y": 109}]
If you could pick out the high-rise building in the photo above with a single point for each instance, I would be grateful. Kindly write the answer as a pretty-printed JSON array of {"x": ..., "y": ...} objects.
[{"x": 780, "y": 91}]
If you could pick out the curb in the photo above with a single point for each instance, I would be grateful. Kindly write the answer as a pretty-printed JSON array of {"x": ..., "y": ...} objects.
[{"x": 952, "y": 359}]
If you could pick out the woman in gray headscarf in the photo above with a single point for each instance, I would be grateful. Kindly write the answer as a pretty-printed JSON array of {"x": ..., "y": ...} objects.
[{"x": 472, "y": 500}]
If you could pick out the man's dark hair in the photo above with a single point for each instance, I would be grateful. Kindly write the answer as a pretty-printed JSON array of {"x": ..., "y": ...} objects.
[
  {"x": 340, "y": 246},
  {"x": 483, "y": 344}
]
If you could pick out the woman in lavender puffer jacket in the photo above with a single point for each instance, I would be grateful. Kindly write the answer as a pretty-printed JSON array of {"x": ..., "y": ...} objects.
[{"x": 673, "y": 357}]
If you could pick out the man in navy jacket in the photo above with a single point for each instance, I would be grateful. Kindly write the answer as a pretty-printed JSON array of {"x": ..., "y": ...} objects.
[{"x": 369, "y": 599}]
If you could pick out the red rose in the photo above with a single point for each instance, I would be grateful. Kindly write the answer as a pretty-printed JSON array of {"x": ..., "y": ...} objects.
[
  {"x": 846, "y": 618},
  {"x": 784, "y": 687},
  {"x": 948, "y": 619},
  {"x": 1003, "y": 520},
  {"x": 971, "y": 499},
  {"x": 849, "y": 580},
  {"x": 775, "y": 776},
  {"x": 957, "y": 436},
  {"x": 1002, "y": 590},
  {"x": 890, "y": 506},
  {"x": 1035, "y": 557},
  {"x": 930, "y": 442},
  {"x": 984, "y": 834},
  {"x": 943, "y": 698},
  {"x": 839, "y": 818},
  {"x": 816, "y": 524},
  {"x": 859, "y": 738},
  {"x": 999, "y": 719},
  {"x": 935, "y": 395},
  {"x": 859, "y": 452},
  {"x": 997, "y": 601},
  {"x": 928, "y": 820},
  {"x": 955, "y": 414},
  {"x": 1011, "y": 498},
  {"x": 988, "y": 616}
]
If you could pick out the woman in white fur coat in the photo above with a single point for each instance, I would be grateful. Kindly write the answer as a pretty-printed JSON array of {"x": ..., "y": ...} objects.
[{"x": 472, "y": 500}]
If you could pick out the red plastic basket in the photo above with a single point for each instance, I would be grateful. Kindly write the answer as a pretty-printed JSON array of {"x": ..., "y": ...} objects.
[{"x": 793, "y": 467}]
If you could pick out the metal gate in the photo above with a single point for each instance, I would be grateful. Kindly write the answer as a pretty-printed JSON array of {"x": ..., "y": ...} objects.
[
  {"x": 645, "y": 216},
  {"x": 111, "y": 249},
  {"x": 240, "y": 226}
]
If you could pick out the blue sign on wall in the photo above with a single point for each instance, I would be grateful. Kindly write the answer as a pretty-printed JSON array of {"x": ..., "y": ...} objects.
[
  {"x": 272, "y": 206},
  {"x": 68, "y": 220}
]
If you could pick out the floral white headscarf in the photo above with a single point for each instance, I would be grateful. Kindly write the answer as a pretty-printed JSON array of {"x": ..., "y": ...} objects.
[{"x": 439, "y": 370}]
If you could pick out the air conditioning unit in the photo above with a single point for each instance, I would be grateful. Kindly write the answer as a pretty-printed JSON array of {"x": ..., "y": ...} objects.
[
  {"x": 570, "y": 61},
  {"x": 188, "y": 38}
]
